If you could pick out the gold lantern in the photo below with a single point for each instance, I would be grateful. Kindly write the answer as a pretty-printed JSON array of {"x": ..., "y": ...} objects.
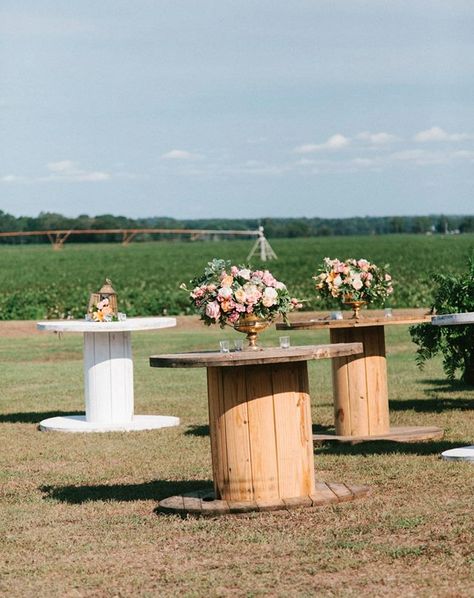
[{"x": 106, "y": 292}]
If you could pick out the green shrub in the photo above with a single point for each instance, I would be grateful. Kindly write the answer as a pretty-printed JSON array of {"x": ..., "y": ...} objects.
[{"x": 454, "y": 294}]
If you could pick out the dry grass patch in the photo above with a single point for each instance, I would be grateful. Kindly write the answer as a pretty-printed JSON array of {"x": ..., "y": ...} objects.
[{"x": 78, "y": 511}]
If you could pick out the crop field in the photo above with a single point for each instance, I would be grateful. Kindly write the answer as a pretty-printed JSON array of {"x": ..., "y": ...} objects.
[{"x": 37, "y": 282}]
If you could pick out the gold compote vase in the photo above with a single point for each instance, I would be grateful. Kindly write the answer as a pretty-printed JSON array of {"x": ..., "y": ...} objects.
[
  {"x": 356, "y": 305},
  {"x": 251, "y": 325}
]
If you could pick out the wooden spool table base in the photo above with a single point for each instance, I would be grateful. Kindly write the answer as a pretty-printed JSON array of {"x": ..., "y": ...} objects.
[
  {"x": 203, "y": 502},
  {"x": 108, "y": 377},
  {"x": 260, "y": 431},
  {"x": 360, "y": 386},
  {"x": 395, "y": 434}
]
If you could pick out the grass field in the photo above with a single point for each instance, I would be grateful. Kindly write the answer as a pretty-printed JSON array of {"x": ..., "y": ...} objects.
[
  {"x": 36, "y": 282},
  {"x": 78, "y": 513}
]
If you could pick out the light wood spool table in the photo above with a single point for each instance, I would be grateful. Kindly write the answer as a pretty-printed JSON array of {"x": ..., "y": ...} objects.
[
  {"x": 260, "y": 430},
  {"x": 465, "y": 453},
  {"x": 360, "y": 387},
  {"x": 108, "y": 377}
]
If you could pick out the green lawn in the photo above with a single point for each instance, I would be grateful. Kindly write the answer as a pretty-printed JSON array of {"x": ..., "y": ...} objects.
[{"x": 78, "y": 513}]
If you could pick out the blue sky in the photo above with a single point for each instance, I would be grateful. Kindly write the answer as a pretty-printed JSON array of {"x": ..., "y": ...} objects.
[{"x": 200, "y": 108}]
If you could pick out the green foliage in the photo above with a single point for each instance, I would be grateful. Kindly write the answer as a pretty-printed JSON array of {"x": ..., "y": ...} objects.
[
  {"x": 454, "y": 294},
  {"x": 37, "y": 282}
]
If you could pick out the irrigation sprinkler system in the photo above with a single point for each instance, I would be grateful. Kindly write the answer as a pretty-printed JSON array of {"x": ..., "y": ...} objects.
[{"x": 58, "y": 237}]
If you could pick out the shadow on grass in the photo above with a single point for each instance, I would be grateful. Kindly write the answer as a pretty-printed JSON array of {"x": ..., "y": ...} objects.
[
  {"x": 202, "y": 430},
  {"x": 320, "y": 429},
  {"x": 156, "y": 490},
  {"x": 446, "y": 385},
  {"x": 431, "y": 405},
  {"x": 34, "y": 417},
  {"x": 386, "y": 447}
]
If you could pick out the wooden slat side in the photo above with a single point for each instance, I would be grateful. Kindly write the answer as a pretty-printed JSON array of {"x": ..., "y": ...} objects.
[
  {"x": 192, "y": 505},
  {"x": 173, "y": 504},
  {"x": 261, "y": 432},
  {"x": 376, "y": 376},
  {"x": 239, "y": 469},
  {"x": 217, "y": 430},
  {"x": 358, "y": 386},
  {"x": 341, "y": 491},
  {"x": 323, "y": 495},
  {"x": 340, "y": 384},
  {"x": 293, "y": 431}
]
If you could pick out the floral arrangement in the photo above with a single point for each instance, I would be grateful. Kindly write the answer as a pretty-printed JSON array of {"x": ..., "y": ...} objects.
[
  {"x": 101, "y": 312},
  {"x": 224, "y": 293},
  {"x": 353, "y": 280}
]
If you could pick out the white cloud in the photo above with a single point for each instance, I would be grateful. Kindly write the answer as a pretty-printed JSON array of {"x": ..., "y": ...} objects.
[
  {"x": 381, "y": 138},
  {"x": 439, "y": 134},
  {"x": 12, "y": 178},
  {"x": 177, "y": 154},
  {"x": 335, "y": 142},
  {"x": 62, "y": 166},
  {"x": 69, "y": 171}
]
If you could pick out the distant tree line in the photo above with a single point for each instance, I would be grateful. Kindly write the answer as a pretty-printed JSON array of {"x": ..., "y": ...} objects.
[{"x": 274, "y": 227}]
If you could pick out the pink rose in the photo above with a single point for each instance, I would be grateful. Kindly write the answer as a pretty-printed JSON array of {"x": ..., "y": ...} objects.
[
  {"x": 234, "y": 317},
  {"x": 252, "y": 294},
  {"x": 213, "y": 310},
  {"x": 268, "y": 279},
  {"x": 234, "y": 270}
]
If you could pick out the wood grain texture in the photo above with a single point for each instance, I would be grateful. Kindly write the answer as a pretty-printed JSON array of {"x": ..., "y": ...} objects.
[
  {"x": 360, "y": 384},
  {"x": 293, "y": 429},
  {"x": 395, "y": 434},
  {"x": 404, "y": 318},
  {"x": 259, "y": 357},
  {"x": 260, "y": 428},
  {"x": 194, "y": 504}
]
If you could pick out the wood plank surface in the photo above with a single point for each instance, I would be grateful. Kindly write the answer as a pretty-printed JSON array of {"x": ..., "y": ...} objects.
[
  {"x": 395, "y": 434},
  {"x": 258, "y": 357},
  {"x": 365, "y": 320},
  {"x": 217, "y": 429},
  {"x": 324, "y": 494},
  {"x": 237, "y": 484},
  {"x": 260, "y": 406},
  {"x": 293, "y": 431},
  {"x": 376, "y": 379}
]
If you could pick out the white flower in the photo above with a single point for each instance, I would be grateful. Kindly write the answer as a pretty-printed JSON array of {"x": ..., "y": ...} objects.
[
  {"x": 244, "y": 273},
  {"x": 225, "y": 292},
  {"x": 270, "y": 296}
]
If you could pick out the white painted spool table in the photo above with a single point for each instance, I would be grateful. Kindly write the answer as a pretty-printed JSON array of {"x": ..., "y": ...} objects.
[
  {"x": 465, "y": 453},
  {"x": 360, "y": 389},
  {"x": 260, "y": 429},
  {"x": 108, "y": 377}
]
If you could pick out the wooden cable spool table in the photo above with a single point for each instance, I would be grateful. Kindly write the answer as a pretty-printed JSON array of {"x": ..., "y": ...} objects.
[
  {"x": 360, "y": 388},
  {"x": 261, "y": 431},
  {"x": 108, "y": 377},
  {"x": 465, "y": 453}
]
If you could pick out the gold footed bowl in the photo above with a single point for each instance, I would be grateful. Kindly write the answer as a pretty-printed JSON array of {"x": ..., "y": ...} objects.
[
  {"x": 251, "y": 325},
  {"x": 356, "y": 307}
]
